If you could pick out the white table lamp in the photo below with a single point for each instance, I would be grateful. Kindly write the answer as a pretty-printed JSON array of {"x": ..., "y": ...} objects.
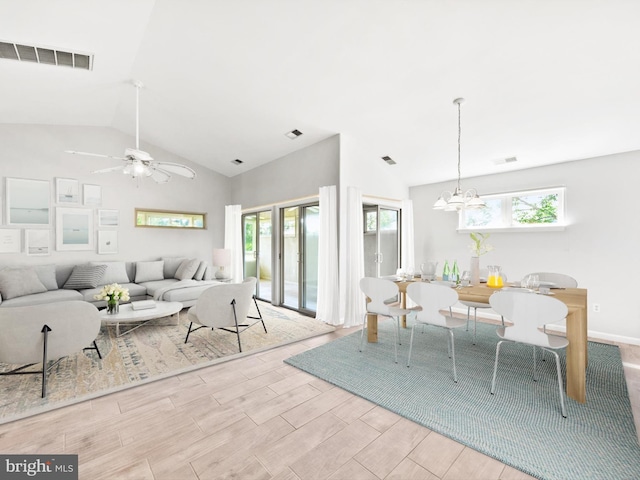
[{"x": 221, "y": 259}]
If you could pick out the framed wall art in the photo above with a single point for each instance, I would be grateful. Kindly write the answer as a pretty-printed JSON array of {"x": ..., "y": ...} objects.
[
  {"x": 27, "y": 201},
  {"x": 37, "y": 242},
  {"x": 108, "y": 218},
  {"x": 10, "y": 240},
  {"x": 107, "y": 241},
  {"x": 92, "y": 195},
  {"x": 74, "y": 229},
  {"x": 67, "y": 191}
]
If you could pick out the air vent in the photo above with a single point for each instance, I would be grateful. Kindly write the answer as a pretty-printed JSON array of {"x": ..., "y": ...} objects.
[
  {"x": 502, "y": 161},
  {"x": 48, "y": 56},
  {"x": 237, "y": 161},
  {"x": 293, "y": 134},
  {"x": 389, "y": 160}
]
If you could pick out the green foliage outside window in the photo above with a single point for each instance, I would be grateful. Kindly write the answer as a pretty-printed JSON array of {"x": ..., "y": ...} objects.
[{"x": 536, "y": 209}]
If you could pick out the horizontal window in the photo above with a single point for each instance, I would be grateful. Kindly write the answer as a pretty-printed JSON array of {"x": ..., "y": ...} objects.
[
  {"x": 169, "y": 219},
  {"x": 529, "y": 210}
]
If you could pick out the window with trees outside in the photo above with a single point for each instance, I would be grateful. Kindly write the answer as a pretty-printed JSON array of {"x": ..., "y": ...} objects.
[{"x": 532, "y": 210}]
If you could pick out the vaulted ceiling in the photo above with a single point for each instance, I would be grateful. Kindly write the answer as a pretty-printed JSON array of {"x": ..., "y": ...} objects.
[{"x": 544, "y": 81}]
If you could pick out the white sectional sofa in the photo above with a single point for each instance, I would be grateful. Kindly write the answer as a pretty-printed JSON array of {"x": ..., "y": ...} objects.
[{"x": 175, "y": 279}]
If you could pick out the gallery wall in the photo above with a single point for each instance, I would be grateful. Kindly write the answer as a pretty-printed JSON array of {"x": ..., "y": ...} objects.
[
  {"x": 598, "y": 246},
  {"x": 37, "y": 152}
]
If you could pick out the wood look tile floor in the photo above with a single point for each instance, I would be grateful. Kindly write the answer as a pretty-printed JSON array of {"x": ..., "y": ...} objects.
[{"x": 255, "y": 418}]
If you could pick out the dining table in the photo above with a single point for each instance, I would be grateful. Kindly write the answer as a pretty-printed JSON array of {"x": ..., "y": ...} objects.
[{"x": 574, "y": 298}]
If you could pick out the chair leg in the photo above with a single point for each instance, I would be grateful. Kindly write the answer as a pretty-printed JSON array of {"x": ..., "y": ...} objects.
[
  {"x": 235, "y": 319},
  {"x": 475, "y": 323},
  {"x": 95, "y": 345},
  {"x": 411, "y": 346},
  {"x": 260, "y": 314},
  {"x": 396, "y": 340},
  {"x": 468, "y": 317},
  {"x": 535, "y": 376},
  {"x": 453, "y": 355},
  {"x": 45, "y": 331},
  {"x": 495, "y": 368},
  {"x": 564, "y": 412},
  {"x": 190, "y": 325}
]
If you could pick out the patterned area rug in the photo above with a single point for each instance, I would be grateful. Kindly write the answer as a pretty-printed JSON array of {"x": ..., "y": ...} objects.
[
  {"x": 149, "y": 353},
  {"x": 520, "y": 425}
]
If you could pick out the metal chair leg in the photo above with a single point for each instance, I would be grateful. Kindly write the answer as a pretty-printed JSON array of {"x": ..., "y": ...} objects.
[
  {"x": 475, "y": 323},
  {"x": 564, "y": 412},
  {"x": 495, "y": 368},
  {"x": 395, "y": 340},
  {"x": 535, "y": 376},
  {"x": 410, "y": 346},
  {"x": 453, "y": 355}
]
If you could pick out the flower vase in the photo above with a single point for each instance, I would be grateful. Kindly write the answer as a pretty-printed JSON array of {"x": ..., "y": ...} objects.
[
  {"x": 475, "y": 270},
  {"x": 113, "y": 306}
]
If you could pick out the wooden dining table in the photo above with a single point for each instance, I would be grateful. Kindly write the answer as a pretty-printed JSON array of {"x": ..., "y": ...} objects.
[{"x": 574, "y": 298}]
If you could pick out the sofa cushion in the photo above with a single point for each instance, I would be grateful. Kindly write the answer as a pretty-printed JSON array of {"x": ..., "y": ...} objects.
[
  {"x": 47, "y": 275},
  {"x": 149, "y": 271},
  {"x": 116, "y": 272},
  {"x": 153, "y": 286},
  {"x": 18, "y": 282},
  {"x": 42, "y": 298},
  {"x": 187, "y": 296},
  {"x": 171, "y": 264},
  {"x": 187, "y": 269},
  {"x": 85, "y": 276},
  {"x": 135, "y": 292},
  {"x": 199, "y": 275}
]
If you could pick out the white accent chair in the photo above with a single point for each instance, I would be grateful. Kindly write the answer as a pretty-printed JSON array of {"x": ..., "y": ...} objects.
[
  {"x": 432, "y": 298},
  {"x": 226, "y": 307},
  {"x": 382, "y": 294},
  {"x": 559, "y": 280},
  {"x": 528, "y": 312},
  {"x": 476, "y": 305},
  {"x": 44, "y": 333}
]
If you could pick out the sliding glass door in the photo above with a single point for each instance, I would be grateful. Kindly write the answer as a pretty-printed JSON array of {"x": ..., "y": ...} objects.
[
  {"x": 299, "y": 234},
  {"x": 381, "y": 241},
  {"x": 257, "y": 232}
]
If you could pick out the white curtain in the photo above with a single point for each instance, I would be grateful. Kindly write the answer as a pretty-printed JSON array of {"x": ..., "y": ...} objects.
[
  {"x": 233, "y": 239},
  {"x": 408, "y": 249},
  {"x": 354, "y": 265},
  {"x": 328, "y": 309}
]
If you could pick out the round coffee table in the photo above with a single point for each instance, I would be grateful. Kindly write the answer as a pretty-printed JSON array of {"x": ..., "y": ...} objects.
[{"x": 127, "y": 315}]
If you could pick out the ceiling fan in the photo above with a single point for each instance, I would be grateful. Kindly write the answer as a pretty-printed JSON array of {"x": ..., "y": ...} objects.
[{"x": 139, "y": 163}]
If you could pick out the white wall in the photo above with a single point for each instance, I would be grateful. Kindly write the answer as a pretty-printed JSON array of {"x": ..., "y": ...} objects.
[
  {"x": 598, "y": 247},
  {"x": 37, "y": 152}
]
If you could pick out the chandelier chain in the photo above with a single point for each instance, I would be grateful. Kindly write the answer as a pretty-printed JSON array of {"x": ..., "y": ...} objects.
[{"x": 459, "y": 134}]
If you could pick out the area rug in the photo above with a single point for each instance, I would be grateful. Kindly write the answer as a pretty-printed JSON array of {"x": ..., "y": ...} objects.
[
  {"x": 520, "y": 425},
  {"x": 154, "y": 351}
]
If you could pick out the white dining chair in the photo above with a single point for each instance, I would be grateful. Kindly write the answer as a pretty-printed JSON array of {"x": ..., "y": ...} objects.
[
  {"x": 528, "y": 312},
  {"x": 383, "y": 295},
  {"x": 477, "y": 305},
  {"x": 432, "y": 298}
]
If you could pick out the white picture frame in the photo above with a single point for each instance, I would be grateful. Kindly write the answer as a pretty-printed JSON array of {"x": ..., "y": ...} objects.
[
  {"x": 67, "y": 191},
  {"x": 10, "y": 240},
  {"x": 92, "y": 195},
  {"x": 108, "y": 218},
  {"x": 74, "y": 229},
  {"x": 107, "y": 242},
  {"x": 37, "y": 242},
  {"x": 27, "y": 201}
]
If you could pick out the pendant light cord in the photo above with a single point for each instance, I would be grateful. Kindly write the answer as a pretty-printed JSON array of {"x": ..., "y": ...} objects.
[{"x": 459, "y": 134}]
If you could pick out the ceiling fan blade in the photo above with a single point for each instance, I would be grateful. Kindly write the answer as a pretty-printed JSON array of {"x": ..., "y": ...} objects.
[
  {"x": 159, "y": 176},
  {"x": 73, "y": 152},
  {"x": 110, "y": 169},
  {"x": 176, "y": 168}
]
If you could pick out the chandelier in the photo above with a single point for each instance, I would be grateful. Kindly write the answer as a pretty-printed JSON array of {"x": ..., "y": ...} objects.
[{"x": 459, "y": 200}]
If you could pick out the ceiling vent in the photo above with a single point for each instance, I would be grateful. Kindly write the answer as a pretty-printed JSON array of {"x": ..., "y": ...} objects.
[
  {"x": 389, "y": 160},
  {"x": 502, "y": 161},
  {"x": 237, "y": 161},
  {"x": 46, "y": 55},
  {"x": 293, "y": 134}
]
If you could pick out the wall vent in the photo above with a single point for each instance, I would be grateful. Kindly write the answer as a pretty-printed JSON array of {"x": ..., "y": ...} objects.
[
  {"x": 389, "y": 160},
  {"x": 502, "y": 161},
  {"x": 293, "y": 134},
  {"x": 46, "y": 55},
  {"x": 237, "y": 161}
]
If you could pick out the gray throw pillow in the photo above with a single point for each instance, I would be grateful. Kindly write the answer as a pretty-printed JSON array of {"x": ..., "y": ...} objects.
[
  {"x": 187, "y": 269},
  {"x": 116, "y": 273},
  {"x": 18, "y": 282},
  {"x": 47, "y": 275},
  {"x": 85, "y": 276},
  {"x": 171, "y": 264},
  {"x": 199, "y": 275},
  {"x": 149, "y": 271}
]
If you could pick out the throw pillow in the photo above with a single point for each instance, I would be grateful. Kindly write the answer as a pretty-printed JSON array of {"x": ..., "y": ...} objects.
[
  {"x": 199, "y": 275},
  {"x": 187, "y": 269},
  {"x": 17, "y": 282},
  {"x": 116, "y": 272},
  {"x": 47, "y": 275},
  {"x": 171, "y": 264},
  {"x": 149, "y": 271},
  {"x": 85, "y": 276}
]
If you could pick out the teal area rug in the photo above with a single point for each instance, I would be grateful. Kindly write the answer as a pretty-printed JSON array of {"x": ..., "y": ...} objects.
[{"x": 520, "y": 425}]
